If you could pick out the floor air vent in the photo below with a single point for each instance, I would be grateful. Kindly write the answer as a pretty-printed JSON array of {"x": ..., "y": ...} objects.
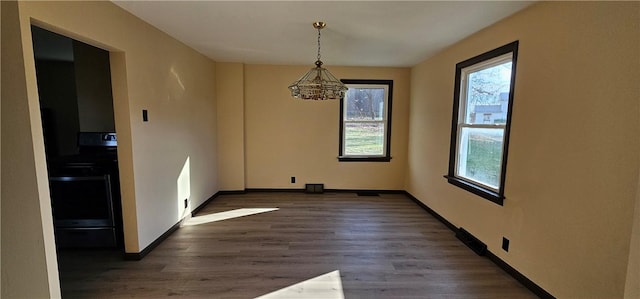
[
  {"x": 367, "y": 193},
  {"x": 314, "y": 188},
  {"x": 472, "y": 242}
]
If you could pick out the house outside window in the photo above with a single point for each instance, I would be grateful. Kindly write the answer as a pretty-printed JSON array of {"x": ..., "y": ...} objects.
[
  {"x": 481, "y": 121},
  {"x": 365, "y": 121},
  {"x": 492, "y": 113}
]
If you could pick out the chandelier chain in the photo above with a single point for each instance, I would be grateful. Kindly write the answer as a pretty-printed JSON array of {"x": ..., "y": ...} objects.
[{"x": 319, "y": 44}]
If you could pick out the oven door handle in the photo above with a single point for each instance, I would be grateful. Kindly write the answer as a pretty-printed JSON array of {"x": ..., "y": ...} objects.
[{"x": 79, "y": 178}]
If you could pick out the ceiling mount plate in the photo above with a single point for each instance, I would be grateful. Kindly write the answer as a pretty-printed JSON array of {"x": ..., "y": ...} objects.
[{"x": 319, "y": 25}]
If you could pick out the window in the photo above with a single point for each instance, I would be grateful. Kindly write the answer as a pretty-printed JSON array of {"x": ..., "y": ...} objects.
[
  {"x": 365, "y": 121},
  {"x": 481, "y": 119}
]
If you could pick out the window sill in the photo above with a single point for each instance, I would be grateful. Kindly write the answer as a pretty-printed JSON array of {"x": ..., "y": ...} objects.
[
  {"x": 363, "y": 159},
  {"x": 491, "y": 195}
]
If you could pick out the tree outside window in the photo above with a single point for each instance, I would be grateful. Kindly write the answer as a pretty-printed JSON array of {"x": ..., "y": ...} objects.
[{"x": 365, "y": 121}]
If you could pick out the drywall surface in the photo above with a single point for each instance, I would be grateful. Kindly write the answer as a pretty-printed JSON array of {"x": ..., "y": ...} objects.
[
  {"x": 632, "y": 287},
  {"x": 572, "y": 170},
  {"x": 287, "y": 137},
  {"x": 230, "y": 109},
  {"x": 29, "y": 266},
  {"x": 166, "y": 160}
]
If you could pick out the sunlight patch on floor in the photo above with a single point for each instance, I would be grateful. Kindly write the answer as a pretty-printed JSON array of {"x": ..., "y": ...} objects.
[
  {"x": 326, "y": 286},
  {"x": 225, "y": 215}
]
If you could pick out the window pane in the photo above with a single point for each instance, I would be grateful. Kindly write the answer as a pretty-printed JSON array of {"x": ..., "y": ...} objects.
[
  {"x": 364, "y": 104},
  {"x": 480, "y": 154},
  {"x": 480, "y": 124},
  {"x": 488, "y": 95},
  {"x": 364, "y": 139}
]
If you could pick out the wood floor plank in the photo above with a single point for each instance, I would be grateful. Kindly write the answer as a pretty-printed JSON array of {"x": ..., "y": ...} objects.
[{"x": 384, "y": 247}]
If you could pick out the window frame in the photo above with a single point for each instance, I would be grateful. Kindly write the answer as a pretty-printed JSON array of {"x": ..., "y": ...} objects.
[
  {"x": 464, "y": 68},
  {"x": 386, "y": 156}
]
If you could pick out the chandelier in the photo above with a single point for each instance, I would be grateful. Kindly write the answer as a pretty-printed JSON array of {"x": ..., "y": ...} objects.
[{"x": 318, "y": 83}]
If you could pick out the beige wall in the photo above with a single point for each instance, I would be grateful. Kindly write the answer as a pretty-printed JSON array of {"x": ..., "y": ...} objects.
[
  {"x": 162, "y": 162},
  {"x": 632, "y": 287},
  {"x": 28, "y": 250},
  {"x": 286, "y": 137},
  {"x": 230, "y": 101},
  {"x": 572, "y": 175},
  {"x": 572, "y": 172}
]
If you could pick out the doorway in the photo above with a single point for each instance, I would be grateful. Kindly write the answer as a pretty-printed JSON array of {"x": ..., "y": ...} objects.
[{"x": 74, "y": 87}]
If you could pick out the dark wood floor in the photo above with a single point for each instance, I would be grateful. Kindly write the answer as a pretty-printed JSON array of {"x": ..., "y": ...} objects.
[{"x": 384, "y": 247}]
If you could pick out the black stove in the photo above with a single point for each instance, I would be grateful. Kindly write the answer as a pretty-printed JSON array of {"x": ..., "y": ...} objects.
[
  {"x": 85, "y": 193},
  {"x": 97, "y": 154}
]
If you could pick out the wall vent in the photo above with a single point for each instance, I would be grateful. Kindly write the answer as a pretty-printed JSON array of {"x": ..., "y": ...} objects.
[
  {"x": 472, "y": 242},
  {"x": 314, "y": 188}
]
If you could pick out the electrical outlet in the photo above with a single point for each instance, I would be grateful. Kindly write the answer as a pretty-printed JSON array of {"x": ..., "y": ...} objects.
[
  {"x": 293, "y": 180},
  {"x": 186, "y": 203},
  {"x": 505, "y": 244}
]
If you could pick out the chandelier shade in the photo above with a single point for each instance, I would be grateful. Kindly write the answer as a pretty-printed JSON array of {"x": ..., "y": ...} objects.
[{"x": 318, "y": 83}]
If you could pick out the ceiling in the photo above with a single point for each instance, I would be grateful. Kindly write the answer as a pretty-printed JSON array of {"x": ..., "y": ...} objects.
[{"x": 358, "y": 33}]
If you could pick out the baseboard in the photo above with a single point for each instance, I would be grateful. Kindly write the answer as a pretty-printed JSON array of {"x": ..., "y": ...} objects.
[
  {"x": 365, "y": 191},
  {"x": 230, "y": 192},
  {"x": 432, "y": 212},
  {"x": 205, "y": 203},
  {"x": 325, "y": 190},
  {"x": 274, "y": 190},
  {"x": 532, "y": 286},
  {"x": 140, "y": 255},
  {"x": 210, "y": 199}
]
